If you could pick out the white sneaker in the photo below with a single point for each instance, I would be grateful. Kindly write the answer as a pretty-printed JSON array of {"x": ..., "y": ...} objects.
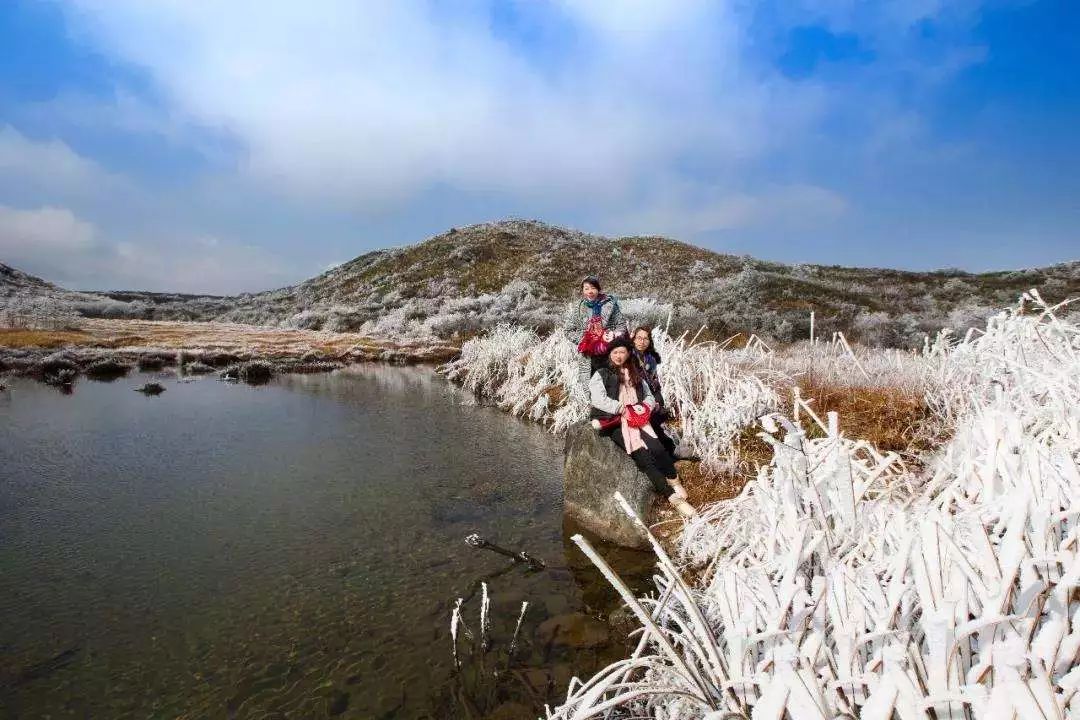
[{"x": 685, "y": 509}]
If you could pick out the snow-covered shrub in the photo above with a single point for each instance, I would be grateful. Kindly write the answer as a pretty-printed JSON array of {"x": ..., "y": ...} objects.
[
  {"x": 253, "y": 372},
  {"x": 456, "y": 324},
  {"x": 646, "y": 311},
  {"x": 714, "y": 398},
  {"x": 107, "y": 369},
  {"x": 306, "y": 320},
  {"x": 524, "y": 374}
]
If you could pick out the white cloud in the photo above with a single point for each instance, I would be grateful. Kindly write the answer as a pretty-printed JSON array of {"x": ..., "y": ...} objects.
[
  {"x": 49, "y": 164},
  {"x": 688, "y": 210},
  {"x": 33, "y": 233},
  {"x": 61, "y": 247},
  {"x": 371, "y": 103}
]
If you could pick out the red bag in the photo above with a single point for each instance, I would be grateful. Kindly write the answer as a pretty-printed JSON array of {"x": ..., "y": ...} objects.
[
  {"x": 637, "y": 416},
  {"x": 595, "y": 339}
]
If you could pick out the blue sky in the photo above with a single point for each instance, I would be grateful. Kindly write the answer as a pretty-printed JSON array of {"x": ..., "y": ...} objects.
[{"x": 224, "y": 147}]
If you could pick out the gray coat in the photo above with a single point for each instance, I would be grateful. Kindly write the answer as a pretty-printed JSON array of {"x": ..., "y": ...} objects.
[{"x": 578, "y": 314}]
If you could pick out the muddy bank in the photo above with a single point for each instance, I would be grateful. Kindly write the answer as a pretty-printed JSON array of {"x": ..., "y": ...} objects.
[{"x": 107, "y": 349}]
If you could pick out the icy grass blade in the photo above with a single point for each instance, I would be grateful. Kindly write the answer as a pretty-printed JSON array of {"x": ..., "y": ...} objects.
[
  {"x": 485, "y": 616},
  {"x": 517, "y": 630}
]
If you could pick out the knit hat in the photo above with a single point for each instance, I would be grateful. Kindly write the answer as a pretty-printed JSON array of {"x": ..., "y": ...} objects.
[
  {"x": 592, "y": 280},
  {"x": 620, "y": 342}
]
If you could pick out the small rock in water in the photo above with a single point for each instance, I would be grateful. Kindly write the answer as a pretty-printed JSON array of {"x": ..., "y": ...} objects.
[
  {"x": 573, "y": 630},
  {"x": 107, "y": 369},
  {"x": 339, "y": 703},
  {"x": 63, "y": 377},
  {"x": 151, "y": 389},
  {"x": 339, "y": 569}
]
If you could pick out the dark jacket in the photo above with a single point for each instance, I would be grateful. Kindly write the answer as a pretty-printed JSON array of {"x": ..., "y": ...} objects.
[
  {"x": 604, "y": 394},
  {"x": 647, "y": 363}
]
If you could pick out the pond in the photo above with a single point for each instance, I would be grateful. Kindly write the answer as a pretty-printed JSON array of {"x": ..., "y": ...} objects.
[{"x": 292, "y": 550}]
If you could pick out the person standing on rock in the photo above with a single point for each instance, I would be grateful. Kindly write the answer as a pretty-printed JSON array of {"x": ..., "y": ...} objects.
[
  {"x": 621, "y": 405},
  {"x": 591, "y": 324},
  {"x": 647, "y": 360}
]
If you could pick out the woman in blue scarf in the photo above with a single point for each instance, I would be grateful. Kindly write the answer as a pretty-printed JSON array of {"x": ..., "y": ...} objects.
[{"x": 591, "y": 324}]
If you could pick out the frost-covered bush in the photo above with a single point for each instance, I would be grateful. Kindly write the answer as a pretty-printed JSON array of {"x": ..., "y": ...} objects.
[
  {"x": 107, "y": 369},
  {"x": 456, "y": 325},
  {"x": 253, "y": 372},
  {"x": 963, "y": 317},
  {"x": 36, "y": 313},
  {"x": 647, "y": 311},
  {"x": 306, "y": 320},
  {"x": 874, "y": 328},
  {"x": 345, "y": 318},
  {"x": 524, "y": 374},
  {"x": 713, "y": 397}
]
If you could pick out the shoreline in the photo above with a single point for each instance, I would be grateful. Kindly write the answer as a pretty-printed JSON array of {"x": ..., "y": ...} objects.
[{"x": 115, "y": 347}]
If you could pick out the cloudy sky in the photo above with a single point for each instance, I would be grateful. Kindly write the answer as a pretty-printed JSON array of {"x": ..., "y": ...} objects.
[{"x": 242, "y": 145}]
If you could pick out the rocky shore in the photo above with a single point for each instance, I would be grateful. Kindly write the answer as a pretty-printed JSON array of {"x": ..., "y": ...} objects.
[{"x": 105, "y": 349}]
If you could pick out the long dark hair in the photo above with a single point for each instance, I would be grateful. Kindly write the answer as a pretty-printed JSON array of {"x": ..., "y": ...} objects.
[
  {"x": 636, "y": 378},
  {"x": 652, "y": 348}
]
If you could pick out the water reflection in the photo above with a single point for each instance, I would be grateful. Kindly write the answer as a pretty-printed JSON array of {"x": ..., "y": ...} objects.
[{"x": 289, "y": 550}]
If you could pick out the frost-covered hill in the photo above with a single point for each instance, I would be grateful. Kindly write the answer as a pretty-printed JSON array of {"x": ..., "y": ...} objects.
[
  {"x": 12, "y": 281},
  {"x": 469, "y": 279},
  {"x": 466, "y": 280}
]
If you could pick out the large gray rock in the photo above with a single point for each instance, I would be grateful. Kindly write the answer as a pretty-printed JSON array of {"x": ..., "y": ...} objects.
[{"x": 594, "y": 469}]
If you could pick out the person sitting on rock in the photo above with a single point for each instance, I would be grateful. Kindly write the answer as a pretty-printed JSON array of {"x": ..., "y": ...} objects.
[
  {"x": 591, "y": 324},
  {"x": 621, "y": 404},
  {"x": 647, "y": 360}
]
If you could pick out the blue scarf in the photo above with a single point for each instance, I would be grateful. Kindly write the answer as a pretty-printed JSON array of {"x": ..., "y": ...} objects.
[{"x": 596, "y": 305}]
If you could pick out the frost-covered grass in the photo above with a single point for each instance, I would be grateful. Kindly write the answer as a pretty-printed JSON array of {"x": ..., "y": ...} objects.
[
  {"x": 843, "y": 583},
  {"x": 524, "y": 374},
  {"x": 717, "y": 392}
]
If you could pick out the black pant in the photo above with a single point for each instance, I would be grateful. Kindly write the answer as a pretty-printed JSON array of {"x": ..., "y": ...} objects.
[
  {"x": 653, "y": 460},
  {"x": 657, "y": 422}
]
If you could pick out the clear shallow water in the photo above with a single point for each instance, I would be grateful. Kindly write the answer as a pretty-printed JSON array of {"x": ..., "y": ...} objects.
[{"x": 291, "y": 550}]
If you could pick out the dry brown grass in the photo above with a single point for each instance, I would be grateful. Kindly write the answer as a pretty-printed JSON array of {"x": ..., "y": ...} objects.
[
  {"x": 891, "y": 419},
  {"x": 556, "y": 395},
  {"x": 50, "y": 339},
  {"x": 274, "y": 343},
  {"x": 704, "y": 488}
]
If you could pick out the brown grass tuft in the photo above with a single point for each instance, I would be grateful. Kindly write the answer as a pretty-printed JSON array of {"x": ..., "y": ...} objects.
[
  {"x": 891, "y": 419},
  {"x": 556, "y": 395},
  {"x": 20, "y": 338},
  {"x": 705, "y": 488}
]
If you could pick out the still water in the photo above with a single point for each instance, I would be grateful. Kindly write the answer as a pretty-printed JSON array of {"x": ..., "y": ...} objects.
[{"x": 286, "y": 551}]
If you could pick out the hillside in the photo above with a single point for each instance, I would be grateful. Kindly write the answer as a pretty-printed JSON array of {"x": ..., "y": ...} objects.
[{"x": 465, "y": 280}]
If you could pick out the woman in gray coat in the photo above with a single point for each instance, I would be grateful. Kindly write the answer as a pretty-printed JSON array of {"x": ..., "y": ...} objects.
[{"x": 591, "y": 324}]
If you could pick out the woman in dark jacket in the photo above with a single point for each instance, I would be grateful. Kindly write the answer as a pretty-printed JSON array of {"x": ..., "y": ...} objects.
[
  {"x": 647, "y": 360},
  {"x": 589, "y": 320},
  {"x": 616, "y": 391}
]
